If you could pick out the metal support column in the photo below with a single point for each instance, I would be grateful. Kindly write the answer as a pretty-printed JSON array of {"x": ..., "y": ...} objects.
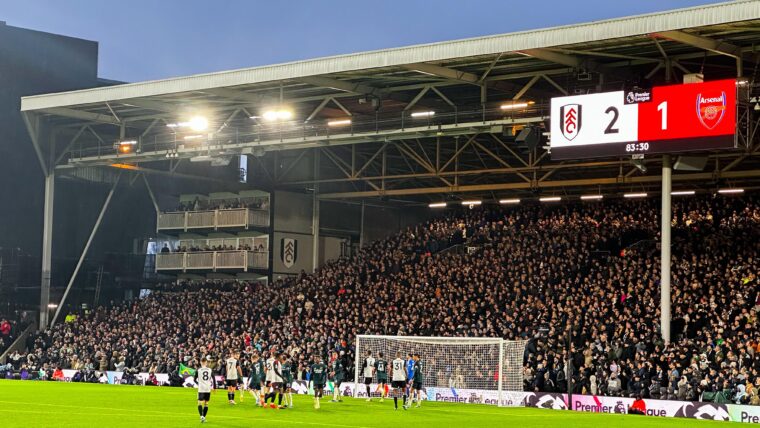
[
  {"x": 86, "y": 247},
  {"x": 667, "y": 181},
  {"x": 47, "y": 248},
  {"x": 361, "y": 228},
  {"x": 315, "y": 216}
]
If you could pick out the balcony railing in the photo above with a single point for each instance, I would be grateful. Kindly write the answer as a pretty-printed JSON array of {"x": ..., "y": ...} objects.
[
  {"x": 213, "y": 219},
  {"x": 213, "y": 261}
]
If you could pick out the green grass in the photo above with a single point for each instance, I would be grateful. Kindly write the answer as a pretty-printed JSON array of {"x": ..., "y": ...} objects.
[{"x": 53, "y": 404}]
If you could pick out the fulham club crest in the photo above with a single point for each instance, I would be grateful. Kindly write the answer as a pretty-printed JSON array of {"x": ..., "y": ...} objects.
[
  {"x": 570, "y": 125},
  {"x": 711, "y": 109},
  {"x": 288, "y": 251}
]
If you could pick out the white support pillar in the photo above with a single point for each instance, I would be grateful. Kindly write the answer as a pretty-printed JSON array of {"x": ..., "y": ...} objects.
[
  {"x": 47, "y": 248},
  {"x": 86, "y": 248},
  {"x": 666, "y": 217}
]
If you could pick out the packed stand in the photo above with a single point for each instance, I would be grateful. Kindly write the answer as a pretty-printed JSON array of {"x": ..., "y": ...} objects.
[{"x": 539, "y": 272}]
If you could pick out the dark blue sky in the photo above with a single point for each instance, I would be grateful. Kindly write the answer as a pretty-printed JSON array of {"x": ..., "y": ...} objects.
[{"x": 153, "y": 39}]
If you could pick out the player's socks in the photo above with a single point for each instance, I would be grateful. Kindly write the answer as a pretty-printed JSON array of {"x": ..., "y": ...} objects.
[
  {"x": 200, "y": 410},
  {"x": 279, "y": 399},
  {"x": 395, "y": 402},
  {"x": 205, "y": 411}
]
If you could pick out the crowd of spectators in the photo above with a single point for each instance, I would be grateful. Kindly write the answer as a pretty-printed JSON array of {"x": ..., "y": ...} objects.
[
  {"x": 198, "y": 204},
  {"x": 540, "y": 273}
]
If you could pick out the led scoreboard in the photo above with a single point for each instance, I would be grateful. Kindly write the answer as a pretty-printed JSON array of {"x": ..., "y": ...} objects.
[{"x": 665, "y": 119}]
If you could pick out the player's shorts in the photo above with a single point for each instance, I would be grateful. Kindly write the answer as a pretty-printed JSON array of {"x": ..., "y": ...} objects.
[
  {"x": 276, "y": 385},
  {"x": 338, "y": 381},
  {"x": 231, "y": 382},
  {"x": 367, "y": 380},
  {"x": 417, "y": 385},
  {"x": 268, "y": 383},
  {"x": 204, "y": 396},
  {"x": 319, "y": 386},
  {"x": 288, "y": 385},
  {"x": 382, "y": 381},
  {"x": 400, "y": 384},
  {"x": 254, "y": 383}
]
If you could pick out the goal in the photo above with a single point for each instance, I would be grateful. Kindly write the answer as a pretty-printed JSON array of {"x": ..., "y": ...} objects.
[{"x": 465, "y": 370}]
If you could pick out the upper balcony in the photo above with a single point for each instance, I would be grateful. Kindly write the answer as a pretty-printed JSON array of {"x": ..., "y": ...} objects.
[
  {"x": 184, "y": 221},
  {"x": 217, "y": 211}
]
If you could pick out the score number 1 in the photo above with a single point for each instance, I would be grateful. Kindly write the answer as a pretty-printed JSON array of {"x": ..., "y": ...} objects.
[{"x": 663, "y": 109}]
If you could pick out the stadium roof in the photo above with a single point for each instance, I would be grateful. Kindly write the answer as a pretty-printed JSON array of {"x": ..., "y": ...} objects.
[{"x": 359, "y": 125}]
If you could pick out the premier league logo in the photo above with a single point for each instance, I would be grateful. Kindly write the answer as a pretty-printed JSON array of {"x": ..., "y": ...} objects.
[
  {"x": 711, "y": 109},
  {"x": 570, "y": 125},
  {"x": 288, "y": 251}
]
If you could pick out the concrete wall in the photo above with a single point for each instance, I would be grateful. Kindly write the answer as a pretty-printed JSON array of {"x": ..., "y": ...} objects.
[{"x": 292, "y": 224}]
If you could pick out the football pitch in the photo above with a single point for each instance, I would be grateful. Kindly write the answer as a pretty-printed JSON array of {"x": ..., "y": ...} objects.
[{"x": 54, "y": 404}]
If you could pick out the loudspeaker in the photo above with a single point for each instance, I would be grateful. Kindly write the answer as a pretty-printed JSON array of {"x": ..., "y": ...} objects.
[
  {"x": 530, "y": 136},
  {"x": 690, "y": 163}
]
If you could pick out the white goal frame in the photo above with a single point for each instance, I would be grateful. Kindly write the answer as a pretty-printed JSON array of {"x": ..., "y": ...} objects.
[{"x": 508, "y": 364}]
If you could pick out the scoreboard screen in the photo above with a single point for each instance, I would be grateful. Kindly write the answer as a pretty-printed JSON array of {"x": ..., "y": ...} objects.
[{"x": 665, "y": 119}]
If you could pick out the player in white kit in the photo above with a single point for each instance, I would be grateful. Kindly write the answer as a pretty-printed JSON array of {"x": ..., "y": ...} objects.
[
  {"x": 398, "y": 380},
  {"x": 204, "y": 377},
  {"x": 233, "y": 372},
  {"x": 369, "y": 373}
]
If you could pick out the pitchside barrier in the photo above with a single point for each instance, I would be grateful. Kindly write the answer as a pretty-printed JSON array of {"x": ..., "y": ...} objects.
[{"x": 581, "y": 403}]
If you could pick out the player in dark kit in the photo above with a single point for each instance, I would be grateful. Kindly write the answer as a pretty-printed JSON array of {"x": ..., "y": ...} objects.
[
  {"x": 318, "y": 377},
  {"x": 417, "y": 379},
  {"x": 381, "y": 369},
  {"x": 286, "y": 368},
  {"x": 338, "y": 373},
  {"x": 256, "y": 381}
]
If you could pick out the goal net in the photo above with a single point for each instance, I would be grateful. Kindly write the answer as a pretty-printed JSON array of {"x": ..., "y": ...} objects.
[{"x": 466, "y": 370}]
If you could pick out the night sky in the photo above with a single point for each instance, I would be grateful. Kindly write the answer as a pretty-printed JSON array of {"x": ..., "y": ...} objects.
[{"x": 145, "y": 40}]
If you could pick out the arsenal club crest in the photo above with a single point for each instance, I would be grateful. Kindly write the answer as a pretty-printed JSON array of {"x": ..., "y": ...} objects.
[
  {"x": 711, "y": 109},
  {"x": 570, "y": 125}
]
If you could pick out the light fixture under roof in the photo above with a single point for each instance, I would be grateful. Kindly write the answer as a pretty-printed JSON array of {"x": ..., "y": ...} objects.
[
  {"x": 273, "y": 115},
  {"x": 341, "y": 122},
  {"x": 471, "y": 203},
  {"x": 730, "y": 191},
  {"x": 437, "y": 205},
  {"x": 682, "y": 192},
  {"x": 515, "y": 105},
  {"x": 423, "y": 114},
  {"x": 635, "y": 195},
  {"x": 550, "y": 199},
  {"x": 591, "y": 197},
  {"x": 509, "y": 201}
]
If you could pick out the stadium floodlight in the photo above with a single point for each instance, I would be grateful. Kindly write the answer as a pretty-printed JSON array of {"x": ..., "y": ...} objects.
[
  {"x": 423, "y": 114},
  {"x": 509, "y": 201},
  {"x": 550, "y": 199},
  {"x": 730, "y": 191},
  {"x": 341, "y": 122},
  {"x": 272, "y": 115},
  {"x": 591, "y": 197},
  {"x": 682, "y": 193},
  {"x": 437, "y": 205},
  {"x": 635, "y": 195},
  {"x": 52, "y": 305},
  {"x": 196, "y": 123},
  {"x": 125, "y": 147},
  {"x": 516, "y": 105},
  {"x": 471, "y": 203},
  {"x": 194, "y": 137}
]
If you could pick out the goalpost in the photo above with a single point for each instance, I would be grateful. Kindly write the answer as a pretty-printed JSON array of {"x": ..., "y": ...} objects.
[{"x": 456, "y": 369}]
